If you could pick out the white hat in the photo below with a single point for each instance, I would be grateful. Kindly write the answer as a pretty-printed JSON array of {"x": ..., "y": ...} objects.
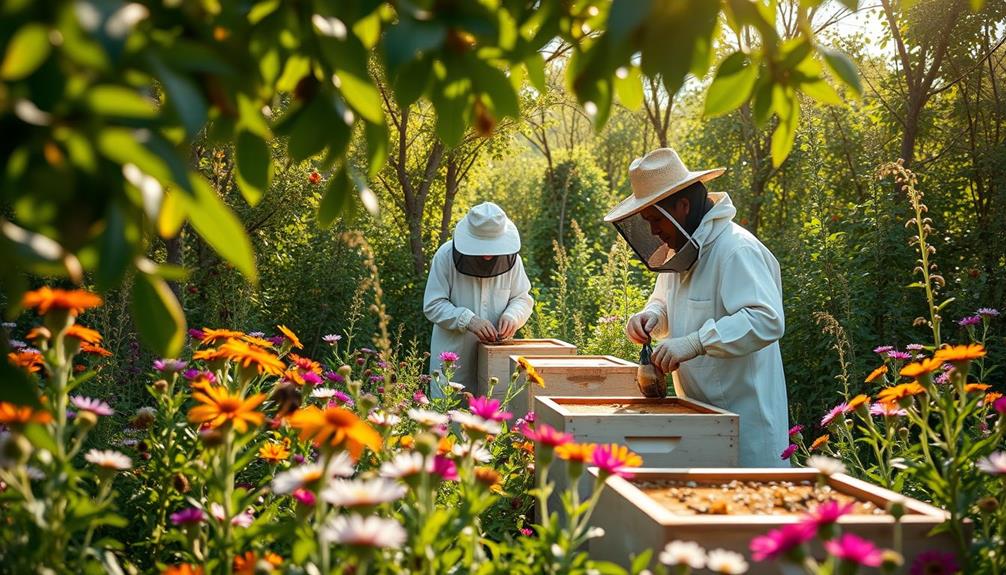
[
  {"x": 654, "y": 177},
  {"x": 486, "y": 231}
]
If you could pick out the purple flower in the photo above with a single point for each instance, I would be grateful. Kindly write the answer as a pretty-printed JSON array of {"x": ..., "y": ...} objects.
[
  {"x": 987, "y": 312},
  {"x": 970, "y": 320},
  {"x": 449, "y": 357},
  {"x": 915, "y": 347},
  {"x": 192, "y": 374},
  {"x": 277, "y": 340},
  {"x": 188, "y": 516},
  {"x": 795, "y": 429},
  {"x": 331, "y": 339},
  {"x": 256, "y": 333},
  {"x": 298, "y": 458},
  {"x": 420, "y": 398},
  {"x": 304, "y": 497},
  {"x": 836, "y": 411},
  {"x": 170, "y": 365},
  {"x": 376, "y": 378},
  {"x": 311, "y": 378},
  {"x": 196, "y": 334},
  {"x": 887, "y": 409},
  {"x": 361, "y": 360},
  {"x": 342, "y": 397},
  {"x": 382, "y": 364},
  {"x": 935, "y": 563},
  {"x": 95, "y": 406},
  {"x": 367, "y": 350},
  {"x": 788, "y": 452},
  {"x": 854, "y": 549},
  {"x": 883, "y": 349},
  {"x": 334, "y": 377},
  {"x": 17, "y": 344},
  {"x": 895, "y": 354}
]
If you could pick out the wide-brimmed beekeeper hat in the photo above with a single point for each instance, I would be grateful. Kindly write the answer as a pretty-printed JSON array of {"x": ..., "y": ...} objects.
[
  {"x": 654, "y": 177},
  {"x": 486, "y": 231}
]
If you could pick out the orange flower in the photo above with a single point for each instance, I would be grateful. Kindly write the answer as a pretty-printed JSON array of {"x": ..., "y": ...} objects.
[
  {"x": 38, "y": 332},
  {"x": 219, "y": 408},
  {"x": 490, "y": 478},
  {"x": 856, "y": 402},
  {"x": 288, "y": 333},
  {"x": 446, "y": 445},
  {"x": 11, "y": 414},
  {"x": 976, "y": 387},
  {"x": 94, "y": 349},
  {"x": 210, "y": 354},
  {"x": 245, "y": 564},
  {"x": 30, "y": 361},
  {"x": 991, "y": 397},
  {"x": 532, "y": 373},
  {"x": 406, "y": 441},
  {"x": 920, "y": 368},
  {"x": 337, "y": 427},
  {"x": 893, "y": 394},
  {"x": 214, "y": 335},
  {"x": 201, "y": 382},
  {"x": 183, "y": 569},
  {"x": 273, "y": 452},
  {"x": 73, "y": 301},
  {"x": 247, "y": 355},
  {"x": 305, "y": 364},
  {"x": 84, "y": 334},
  {"x": 576, "y": 452},
  {"x": 960, "y": 353},
  {"x": 819, "y": 441},
  {"x": 293, "y": 376},
  {"x": 876, "y": 373},
  {"x": 256, "y": 340},
  {"x": 526, "y": 447}
]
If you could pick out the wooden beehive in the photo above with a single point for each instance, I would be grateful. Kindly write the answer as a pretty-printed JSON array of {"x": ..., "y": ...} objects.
[
  {"x": 494, "y": 360},
  {"x": 575, "y": 375},
  {"x": 634, "y": 520}
]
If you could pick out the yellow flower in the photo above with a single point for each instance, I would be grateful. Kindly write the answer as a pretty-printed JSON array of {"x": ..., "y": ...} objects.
[
  {"x": 84, "y": 334},
  {"x": 532, "y": 374},
  {"x": 960, "y": 353},
  {"x": 214, "y": 335},
  {"x": 73, "y": 301},
  {"x": 856, "y": 402},
  {"x": 446, "y": 445},
  {"x": 819, "y": 441},
  {"x": 219, "y": 407},
  {"x": 273, "y": 452},
  {"x": 248, "y": 355},
  {"x": 335, "y": 426},
  {"x": 256, "y": 340},
  {"x": 922, "y": 367},
  {"x": 976, "y": 387},
  {"x": 893, "y": 394},
  {"x": 576, "y": 452},
  {"x": 209, "y": 354},
  {"x": 991, "y": 397},
  {"x": 11, "y": 414},
  {"x": 288, "y": 333},
  {"x": 876, "y": 373}
]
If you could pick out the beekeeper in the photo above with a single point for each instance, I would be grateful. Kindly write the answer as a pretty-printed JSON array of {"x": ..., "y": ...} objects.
[
  {"x": 476, "y": 291},
  {"x": 716, "y": 308}
]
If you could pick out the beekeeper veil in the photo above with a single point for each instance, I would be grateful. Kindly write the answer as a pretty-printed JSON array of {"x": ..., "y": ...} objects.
[{"x": 485, "y": 242}]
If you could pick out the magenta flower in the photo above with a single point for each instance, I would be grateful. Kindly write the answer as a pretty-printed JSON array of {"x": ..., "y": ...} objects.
[
  {"x": 780, "y": 541},
  {"x": 1000, "y": 405},
  {"x": 883, "y": 349},
  {"x": 445, "y": 468},
  {"x": 854, "y": 549},
  {"x": 987, "y": 312},
  {"x": 196, "y": 334},
  {"x": 547, "y": 435},
  {"x": 191, "y": 374},
  {"x": 449, "y": 357},
  {"x": 935, "y": 563},
  {"x": 276, "y": 340},
  {"x": 831, "y": 415},
  {"x": 887, "y": 409},
  {"x": 488, "y": 408},
  {"x": 902, "y": 355},
  {"x": 614, "y": 459},
  {"x": 334, "y": 377},
  {"x": 788, "y": 452},
  {"x": 95, "y": 406},
  {"x": 795, "y": 429},
  {"x": 311, "y": 378},
  {"x": 170, "y": 365},
  {"x": 420, "y": 398},
  {"x": 342, "y": 397},
  {"x": 188, "y": 516},
  {"x": 970, "y": 320},
  {"x": 827, "y": 513},
  {"x": 526, "y": 532},
  {"x": 304, "y": 497}
]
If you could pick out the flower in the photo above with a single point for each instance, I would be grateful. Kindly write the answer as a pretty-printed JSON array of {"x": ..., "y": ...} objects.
[
  {"x": 28, "y": 360},
  {"x": 901, "y": 391},
  {"x": 290, "y": 336},
  {"x": 576, "y": 452},
  {"x": 991, "y": 397},
  {"x": 273, "y": 452},
  {"x": 683, "y": 553},
  {"x": 405, "y": 465},
  {"x": 449, "y": 357},
  {"x": 20, "y": 414},
  {"x": 857, "y": 401},
  {"x": 383, "y": 418},
  {"x": 343, "y": 397},
  {"x": 474, "y": 423},
  {"x": 935, "y": 563},
  {"x": 825, "y": 465},
  {"x": 488, "y": 408},
  {"x": 726, "y": 562},
  {"x": 899, "y": 355},
  {"x": 614, "y": 459},
  {"x": 1000, "y": 405},
  {"x": 336, "y": 426},
  {"x": 219, "y": 407},
  {"x": 370, "y": 531},
  {"x": 305, "y": 364},
  {"x": 362, "y": 493},
  {"x": 969, "y": 320},
  {"x": 546, "y": 435},
  {"x": 972, "y": 387},
  {"x": 94, "y": 349},
  {"x": 828, "y": 513},
  {"x": 915, "y": 347},
  {"x": 420, "y": 398},
  {"x": 210, "y": 336},
  {"x": 920, "y": 368},
  {"x": 170, "y": 365},
  {"x": 307, "y": 475},
  {"x": 789, "y": 451},
  {"x": 960, "y": 353},
  {"x": 242, "y": 519},
  {"x": 73, "y": 301},
  {"x": 108, "y": 459},
  {"x": 331, "y": 339},
  {"x": 183, "y": 569},
  {"x": 428, "y": 418},
  {"x": 836, "y": 411},
  {"x": 795, "y": 429},
  {"x": 883, "y": 349},
  {"x": 819, "y": 441},
  {"x": 987, "y": 312},
  {"x": 531, "y": 372},
  {"x": 247, "y": 355},
  {"x": 780, "y": 541},
  {"x": 95, "y": 406},
  {"x": 82, "y": 333},
  {"x": 246, "y": 564},
  {"x": 876, "y": 373},
  {"x": 994, "y": 464},
  {"x": 887, "y": 409},
  {"x": 304, "y": 497},
  {"x": 188, "y": 516},
  {"x": 526, "y": 531},
  {"x": 445, "y": 468},
  {"x": 854, "y": 549}
]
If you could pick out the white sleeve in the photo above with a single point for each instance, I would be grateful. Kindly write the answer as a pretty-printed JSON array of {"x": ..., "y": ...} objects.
[
  {"x": 436, "y": 301},
  {"x": 749, "y": 291},
  {"x": 657, "y": 304},
  {"x": 521, "y": 304}
]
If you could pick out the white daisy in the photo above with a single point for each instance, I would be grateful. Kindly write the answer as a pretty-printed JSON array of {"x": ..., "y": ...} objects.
[
  {"x": 382, "y": 418},
  {"x": 994, "y": 464},
  {"x": 456, "y": 386},
  {"x": 727, "y": 562},
  {"x": 427, "y": 417},
  {"x": 473, "y": 422},
  {"x": 368, "y": 531},
  {"x": 108, "y": 459},
  {"x": 308, "y": 473},
  {"x": 683, "y": 553},
  {"x": 405, "y": 465},
  {"x": 243, "y": 519},
  {"x": 361, "y": 493},
  {"x": 323, "y": 393},
  {"x": 481, "y": 454},
  {"x": 825, "y": 465}
]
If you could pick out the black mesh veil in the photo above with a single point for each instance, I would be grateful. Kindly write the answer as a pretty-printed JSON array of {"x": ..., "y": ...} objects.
[
  {"x": 480, "y": 267},
  {"x": 651, "y": 250}
]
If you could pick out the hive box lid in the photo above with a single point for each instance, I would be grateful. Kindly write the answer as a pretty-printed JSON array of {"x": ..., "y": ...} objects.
[
  {"x": 529, "y": 344},
  {"x": 580, "y": 363},
  {"x": 634, "y": 407}
]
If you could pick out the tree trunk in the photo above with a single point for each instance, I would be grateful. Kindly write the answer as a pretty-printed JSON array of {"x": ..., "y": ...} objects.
[
  {"x": 451, "y": 184},
  {"x": 175, "y": 249}
]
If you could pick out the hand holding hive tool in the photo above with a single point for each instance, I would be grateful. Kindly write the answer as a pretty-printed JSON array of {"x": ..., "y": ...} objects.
[{"x": 649, "y": 378}]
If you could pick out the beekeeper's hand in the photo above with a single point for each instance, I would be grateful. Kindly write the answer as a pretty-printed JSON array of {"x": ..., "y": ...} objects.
[
  {"x": 483, "y": 329},
  {"x": 674, "y": 351},
  {"x": 640, "y": 325},
  {"x": 507, "y": 327}
]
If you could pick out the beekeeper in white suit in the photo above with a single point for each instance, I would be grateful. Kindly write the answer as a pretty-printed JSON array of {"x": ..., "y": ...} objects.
[
  {"x": 716, "y": 308},
  {"x": 476, "y": 291}
]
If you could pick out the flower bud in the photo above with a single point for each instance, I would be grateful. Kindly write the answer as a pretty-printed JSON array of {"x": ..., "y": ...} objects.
[
  {"x": 180, "y": 483},
  {"x": 903, "y": 432},
  {"x": 15, "y": 447},
  {"x": 988, "y": 504},
  {"x": 345, "y": 371},
  {"x": 896, "y": 508},
  {"x": 211, "y": 437},
  {"x": 160, "y": 386},
  {"x": 891, "y": 561},
  {"x": 86, "y": 420},
  {"x": 368, "y": 401}
]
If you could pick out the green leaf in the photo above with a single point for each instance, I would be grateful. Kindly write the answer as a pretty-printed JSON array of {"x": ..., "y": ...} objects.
[
  {"x": 409, "y": 39},
  {"x": 732, "y": 84},
  {"x": 309, "y": 136},
  {"x": 337, "y": 198},
  {"x": 115, "y": 248},
  {"x": 368, "y": 29},
  {"x": 183, "y": 96},
  {"x": 221, "y": 229},
  {"x": 843, "y": 67},
  {"x": 761, "y": 105},
  {"x": 377, "y": 147},
  {"x": 158, "y": 315},
  {"x": 784, "y": 135},
  {"x": 39, "y": 436},
  {"x": 535, "y": 65},
  {"x": 362, "y": 95},
  {"x": 26, "y": 51},
  {"x": 412, "y": 81},
  {"x": 452, "y": 113},
  {"x": 641, "y": 561},
  {"x": 492, "y": 83},
  {"x": 254, "y": 166},
  {"x": 119, "y": 102},
  {"x": 630, "y": 88}
]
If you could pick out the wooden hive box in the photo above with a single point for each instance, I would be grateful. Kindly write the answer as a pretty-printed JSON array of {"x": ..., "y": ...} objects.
[
  {"x": 666, "y": 432},
  {"x": 575, "y": 375},
  {"x": 634, "y": 518},
  {"x": 494, "y": 360}
]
